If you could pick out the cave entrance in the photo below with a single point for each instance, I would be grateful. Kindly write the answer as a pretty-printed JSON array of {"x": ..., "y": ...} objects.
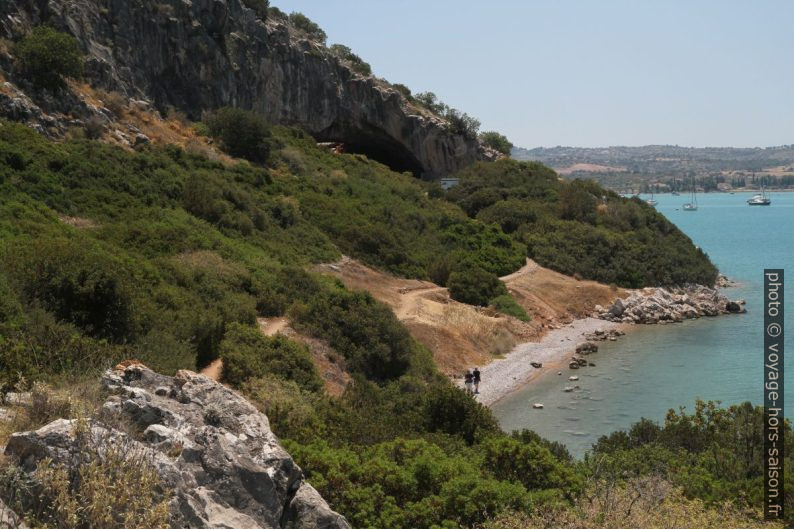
[{"x": 376, "y": 145}]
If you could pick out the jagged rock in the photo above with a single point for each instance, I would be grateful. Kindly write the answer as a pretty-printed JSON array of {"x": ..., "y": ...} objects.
[
  {"x": 209, "y": 445},
  {"x": 660, "y": 305},
  {"x": 617, "y": 308},
  {"x": 734, "y": 306},
  {"x": 203, "y": 54},
  {"x": 9, "y": 518}
]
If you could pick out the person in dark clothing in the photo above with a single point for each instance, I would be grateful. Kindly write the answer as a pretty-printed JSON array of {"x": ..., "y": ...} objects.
[
  {"x": 476, "y": 379},
  {"x": 468, "y": 379}
]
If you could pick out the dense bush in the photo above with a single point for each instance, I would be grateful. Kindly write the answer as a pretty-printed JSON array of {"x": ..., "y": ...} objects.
[
  {"x": 367, "y": 333},
  {"x": 305, "y": 24},
  {"x": 506, "y": 304},
  {"x": 496, "y": 141},
  {"x": 509, "y": 214},
  {"x": 241, "y": 132},
  {"x": 78, "y": 284},
  {"x": 714, "y": 453},
  {"x": 404, "y": 90},
  {"x": 406, "y": 484},
  {"x": 580, "y": 228},
  {"x": 458, "y": 122},
  {"x": 475, "y": 286},
  {"x": 462, "y": 123},
  {"x": 248, "y": 354},
  {"x": 529, "y": 463},
  {"x": 356, "y": 62},
  {"x": 47, "y": 56},
  {"x": 449, "y": 410}
]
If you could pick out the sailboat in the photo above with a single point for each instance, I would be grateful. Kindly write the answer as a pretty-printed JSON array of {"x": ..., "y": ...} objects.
[
  {"x": 692, "y": 205},
  {"x": 651, "y": 201},
  {"x": 760, "y": 199}
]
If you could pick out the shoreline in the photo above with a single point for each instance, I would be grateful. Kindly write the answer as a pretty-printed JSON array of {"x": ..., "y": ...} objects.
[{"x": 503, "y": 376}]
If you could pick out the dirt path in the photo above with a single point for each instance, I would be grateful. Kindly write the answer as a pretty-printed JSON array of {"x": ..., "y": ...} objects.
[
  {"x": 410, "y": 301},
  {"x": 213, "y": 370},
  {"x": 529, "y": 267},
  {"x": 269, "y": 327}
]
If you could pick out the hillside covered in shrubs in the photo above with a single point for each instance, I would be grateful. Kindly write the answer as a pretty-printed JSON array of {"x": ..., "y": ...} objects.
[
  {"x": 168, "y": 256},
  {"x": 579, "y": 228}
]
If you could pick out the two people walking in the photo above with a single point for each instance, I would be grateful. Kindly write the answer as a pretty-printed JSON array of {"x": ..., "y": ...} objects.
[{"x": 472, "y": 381}]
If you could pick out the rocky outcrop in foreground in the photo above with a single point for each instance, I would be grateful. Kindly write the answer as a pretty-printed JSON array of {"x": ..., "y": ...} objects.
[
  {"x": 203, "y": 54},
  {"x": 660, "y": 305},
  {"x": 211, "y": 447}
]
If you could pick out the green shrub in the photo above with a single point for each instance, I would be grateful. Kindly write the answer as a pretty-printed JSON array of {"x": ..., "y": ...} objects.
[
  {"x": 506, "y": 304},
  {"x": 80, "y": 284},
  {"x": 404, "y": 90},
  {"x": 292, "y": 411},
  {"x": 508, "y": 214},
  {"x": 241, "y": 133},
  {"x": 580, "y": 228},
  {"x": 356, "y": 62},
  {"x": 366, "y": 332},
  {"x": 275, "y": 13},
  {"x": 475, "y": 286},
  {"x": 449, "y": 410},
  {"x": 406, "y": 484},
  {"x": 310, "y": 28},
  {"x": 530, "y": 464},
  {"x": 497, "y": 141},
  {"x": 47, "y": 56},
  {"x": 10, "y": 308},
  {"x": 248, "y": 354},
  {"x": 462, "y": 123}
]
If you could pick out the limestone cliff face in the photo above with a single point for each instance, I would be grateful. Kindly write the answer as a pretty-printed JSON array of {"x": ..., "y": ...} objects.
[{"x": 196, "y": 55}]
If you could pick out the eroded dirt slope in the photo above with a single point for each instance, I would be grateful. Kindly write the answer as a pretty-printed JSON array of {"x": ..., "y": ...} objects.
[{"x": 460, "y": 335}]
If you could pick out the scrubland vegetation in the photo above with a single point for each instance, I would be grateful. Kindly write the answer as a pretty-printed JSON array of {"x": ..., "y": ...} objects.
[
  {"x": 168, "y": 257},
  {"x": 578, "y": 227}
]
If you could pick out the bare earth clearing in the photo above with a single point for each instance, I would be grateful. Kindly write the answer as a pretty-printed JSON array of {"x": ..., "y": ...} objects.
[{"x": 461, "y": 336}]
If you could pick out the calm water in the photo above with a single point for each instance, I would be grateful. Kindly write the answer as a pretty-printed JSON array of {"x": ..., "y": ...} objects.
[{"x": 657, "y": 367}]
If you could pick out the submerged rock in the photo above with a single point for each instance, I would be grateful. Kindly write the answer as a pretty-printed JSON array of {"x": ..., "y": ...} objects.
[{"x": 209, "y": 445}]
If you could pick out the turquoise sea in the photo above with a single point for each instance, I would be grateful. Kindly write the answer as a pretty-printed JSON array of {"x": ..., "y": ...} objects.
[{"x": 658, "y": 367}]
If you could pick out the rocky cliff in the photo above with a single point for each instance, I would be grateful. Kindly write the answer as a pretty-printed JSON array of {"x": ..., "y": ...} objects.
[
  {"x": 197, "y": 55},
  {"x": 209, "y": 446}
]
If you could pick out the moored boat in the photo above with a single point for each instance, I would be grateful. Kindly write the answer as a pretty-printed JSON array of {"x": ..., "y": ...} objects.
[
  {"x": 760, "y": 199},
  {"x": 692, "y": 205}
]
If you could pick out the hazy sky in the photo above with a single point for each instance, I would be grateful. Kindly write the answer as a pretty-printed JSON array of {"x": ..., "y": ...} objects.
[{"x": 586, "y": 73}]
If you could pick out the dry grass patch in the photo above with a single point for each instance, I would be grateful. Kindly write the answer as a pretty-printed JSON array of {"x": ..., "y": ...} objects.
[{"x": 77, "y": 222}]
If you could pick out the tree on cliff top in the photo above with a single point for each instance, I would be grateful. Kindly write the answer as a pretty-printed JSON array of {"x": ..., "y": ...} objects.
[
  {"x": 305, "y": 24},
  {"x": 496, "y": 141},
  {"x": 47, "y": 56}
]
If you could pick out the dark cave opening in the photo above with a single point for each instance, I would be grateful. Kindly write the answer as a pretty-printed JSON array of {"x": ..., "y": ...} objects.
[{"x": 378, "y": 146}]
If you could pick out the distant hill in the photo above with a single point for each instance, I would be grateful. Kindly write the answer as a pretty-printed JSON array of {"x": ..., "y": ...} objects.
[{"x": 669, "y": 165}]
